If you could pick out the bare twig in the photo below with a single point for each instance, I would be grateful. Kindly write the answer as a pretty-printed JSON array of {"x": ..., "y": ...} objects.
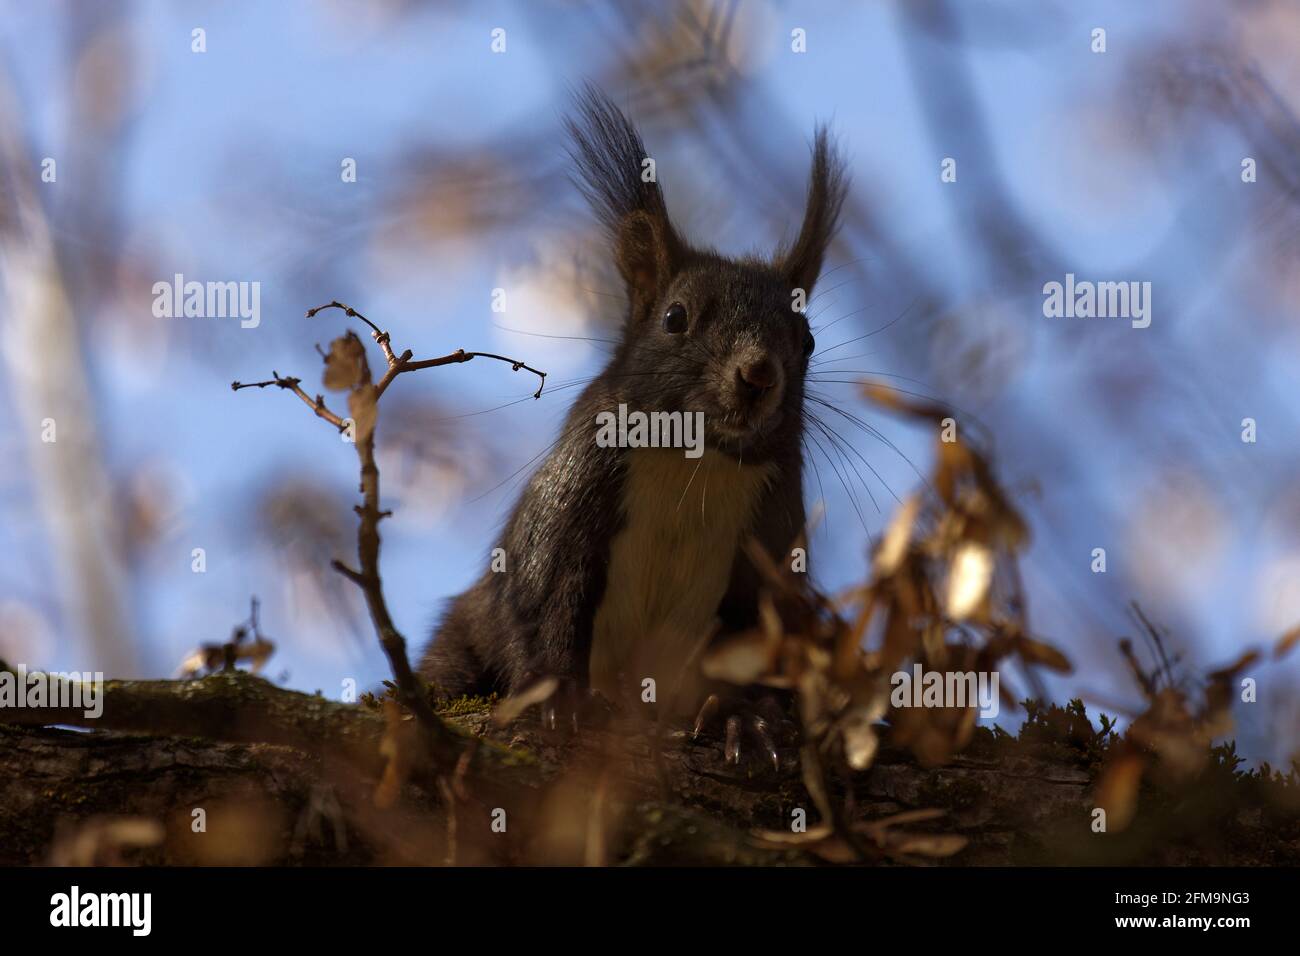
[
  {"x": 397, "y": 364},
  {"x": 349, "y": 311},
  {"x": 294, "y": 385}
]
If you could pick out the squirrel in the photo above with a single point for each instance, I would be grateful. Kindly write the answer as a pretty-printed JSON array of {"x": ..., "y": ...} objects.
[{"x": 619, "y": 560}]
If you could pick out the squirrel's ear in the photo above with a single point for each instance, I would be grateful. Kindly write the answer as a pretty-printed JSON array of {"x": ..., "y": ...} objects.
[
  {"x": 801, "y": 264},
  {"x": 647, "y": 253},
  {"x": 611, "y": 170}
]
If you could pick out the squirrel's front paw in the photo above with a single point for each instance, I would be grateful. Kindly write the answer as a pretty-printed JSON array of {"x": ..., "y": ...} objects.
[
  {"x": 566, "y": 704},
  {"x": 752, "y": 729}
]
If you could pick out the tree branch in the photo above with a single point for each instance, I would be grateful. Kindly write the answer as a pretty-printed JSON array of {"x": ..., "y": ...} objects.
[{"x": 350, "y": 372}]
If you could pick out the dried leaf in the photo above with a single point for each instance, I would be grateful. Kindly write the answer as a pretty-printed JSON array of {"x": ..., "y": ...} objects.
[
  {"x": 969, "y": 578},
  {"x": 893, "y": 547},
  {"x": 193, "y": 665},
  {"x": 787, "y": 838},
  {"x": 1117, "y": 790},
  {"x": 345, "y": 365},
  {"x": 814, "y": 781},
  {"x": 1037, "y": 652},
  {"x": 886, "y": 396},
  {"x": 952, "y": 462},
  {"x": 100, "y": 841},
  {"x": 835, "y": 850},
  {"x": 513, "y": 706},
  {"x": 769, "y": 619},
  {"x": 363, "y": 407},
  {"x": 899, "y": 819},
  {"x": 1228, "y": 673},
  {"x": 860, "y": 739},
  {"x": 932, "y": 844},
  {"x": 396, "y": 745},
  {"x": 740, "y": 660}
]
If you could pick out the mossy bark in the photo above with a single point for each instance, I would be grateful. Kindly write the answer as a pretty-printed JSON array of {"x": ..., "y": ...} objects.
[{"x": 278, "y": 777}]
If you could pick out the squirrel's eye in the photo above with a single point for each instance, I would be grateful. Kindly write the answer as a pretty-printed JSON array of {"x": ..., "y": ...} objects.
[
  {"x": 809, "y": 343},
  {"x": 675, "y": 318}
]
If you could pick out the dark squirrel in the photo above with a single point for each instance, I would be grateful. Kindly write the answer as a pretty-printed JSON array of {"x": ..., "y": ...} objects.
[{"x": 618, "y": 560}]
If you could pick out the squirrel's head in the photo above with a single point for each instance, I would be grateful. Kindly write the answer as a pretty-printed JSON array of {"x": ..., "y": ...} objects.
[{"x": 726, "y": 337}]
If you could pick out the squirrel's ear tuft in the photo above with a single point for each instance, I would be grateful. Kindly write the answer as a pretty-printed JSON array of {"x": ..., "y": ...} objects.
[
  {"x": 827, "y": 187},
  {"x": 611, "y": 170}
]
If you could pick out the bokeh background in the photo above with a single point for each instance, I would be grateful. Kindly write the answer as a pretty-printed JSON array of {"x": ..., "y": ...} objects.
[{"x": 225, "y": 165}]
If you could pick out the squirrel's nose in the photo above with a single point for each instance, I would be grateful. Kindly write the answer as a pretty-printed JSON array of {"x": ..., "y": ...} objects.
[{"x": 757, "y": 376}]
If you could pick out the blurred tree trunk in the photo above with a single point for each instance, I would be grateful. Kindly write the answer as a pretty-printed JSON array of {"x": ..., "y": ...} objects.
[{"x": 46, "y": 370}]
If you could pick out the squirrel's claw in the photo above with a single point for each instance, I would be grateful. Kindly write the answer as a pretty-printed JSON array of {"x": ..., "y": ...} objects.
[
  {"x": 549, "y": 719},
  {"x": 751, "y": 727},
  {"x": 707, "y": 712},
  {"x": 732, "y": 750},
  {"x": 571, "y": 707},
  {"x": 560, "y": 711},
  {"x": 762, "y": 733}
]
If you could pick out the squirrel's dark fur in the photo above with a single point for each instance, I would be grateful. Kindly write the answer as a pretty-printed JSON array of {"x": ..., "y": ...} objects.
[{"x": 741, "y": 361}]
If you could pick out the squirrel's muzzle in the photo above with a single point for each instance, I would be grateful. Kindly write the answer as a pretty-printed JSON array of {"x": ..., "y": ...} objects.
[
  {"x": 757, "y": 383},
  {"x": 758, "y": 376}
]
